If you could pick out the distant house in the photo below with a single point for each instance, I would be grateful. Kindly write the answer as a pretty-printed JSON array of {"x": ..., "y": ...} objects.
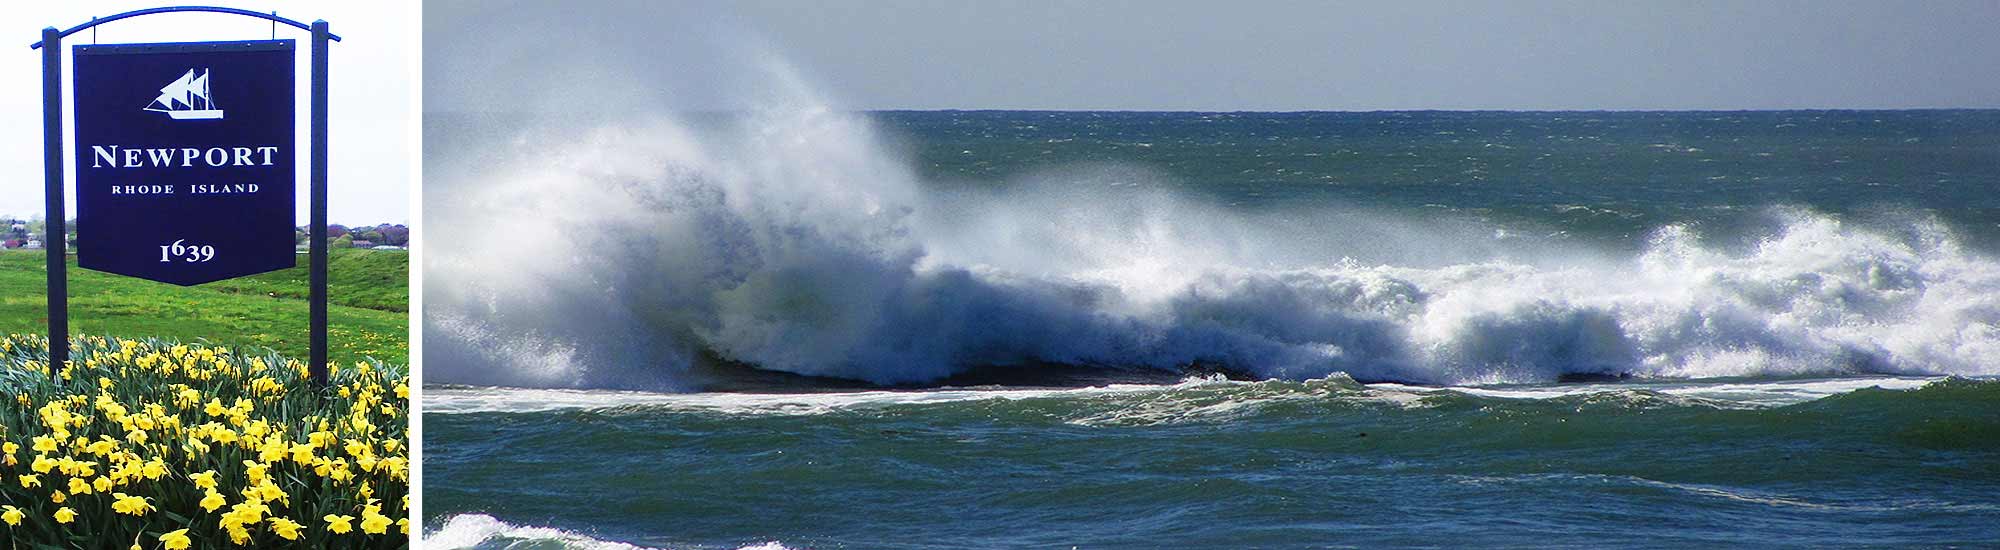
[
  {"x": 364, "y": 244},
  {"x": 32, "y": 245}
]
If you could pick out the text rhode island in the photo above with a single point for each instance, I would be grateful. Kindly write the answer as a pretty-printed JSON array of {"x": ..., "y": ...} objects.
[{"x": 198, "y": 189}]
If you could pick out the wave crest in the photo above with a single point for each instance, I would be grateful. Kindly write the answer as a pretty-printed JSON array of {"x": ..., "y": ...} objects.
[{"x": 628, "y": 255}]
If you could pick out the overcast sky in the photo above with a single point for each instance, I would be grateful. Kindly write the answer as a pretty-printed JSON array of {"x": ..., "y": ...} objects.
[
  {"x": 1255, "y": 55},
  {"x": 370, "y": 145}
]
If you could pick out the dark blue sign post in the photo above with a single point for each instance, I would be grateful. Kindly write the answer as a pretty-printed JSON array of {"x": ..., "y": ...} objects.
[{"x": 186, "y": 163}]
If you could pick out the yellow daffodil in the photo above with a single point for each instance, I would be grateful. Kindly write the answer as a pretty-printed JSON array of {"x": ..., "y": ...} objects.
[
  {"x": 302, "y": 453},
  {"x": 204, "y": 480},
  {"x": 212, "y": 501},
  {"x": 269, "y": 492},
  {"x": 64, "y": 515},
  {"x": 372, "y": 520},
  {"x": 375, "y": 524},
  {"x": 255, "y": 471},
  {"x": 175, "y": 540},
  {"x": 187, "y": 398},
  {"x": 127, "y": 504},
  {"x": 11, "y": 515},
  {"x": 339, "y": 524},
  {"x": 285, "y": 528}
]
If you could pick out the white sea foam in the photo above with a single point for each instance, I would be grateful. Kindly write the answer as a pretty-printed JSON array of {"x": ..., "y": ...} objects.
[
  {"x": 1770, "y": 393},
  {"x": 473, "y": 530},
  {"x": 1737, "y": 494},
  {"x": 521, "y": 400},
  {"x": 792, "y": 240},
  {"x": 1204, "y": 398}
]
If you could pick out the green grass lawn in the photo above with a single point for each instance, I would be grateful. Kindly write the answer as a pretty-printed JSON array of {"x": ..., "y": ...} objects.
[
  {"x": 367, "y": 279},
  {"x": 368, "y": 291}
]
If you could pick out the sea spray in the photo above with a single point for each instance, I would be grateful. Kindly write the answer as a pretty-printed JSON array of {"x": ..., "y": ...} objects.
[{"x": 629, "y": 254}]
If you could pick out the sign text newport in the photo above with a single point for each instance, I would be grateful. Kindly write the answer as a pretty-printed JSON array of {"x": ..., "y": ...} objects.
[{"x": 185, "y": 159}]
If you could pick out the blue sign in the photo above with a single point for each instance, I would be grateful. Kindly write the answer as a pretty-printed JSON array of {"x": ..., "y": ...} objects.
[{"x": 185, "y": 165}]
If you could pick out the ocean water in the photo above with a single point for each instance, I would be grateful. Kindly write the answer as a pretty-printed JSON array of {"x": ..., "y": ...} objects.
[{"x": 802, "y": 327}]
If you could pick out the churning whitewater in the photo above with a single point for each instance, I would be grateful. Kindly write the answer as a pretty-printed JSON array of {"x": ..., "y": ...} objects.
[{"x": 796, "y": 239}]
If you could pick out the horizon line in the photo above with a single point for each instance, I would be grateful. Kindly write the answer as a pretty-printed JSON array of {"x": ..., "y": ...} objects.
[{"x": 430, "y": 111}]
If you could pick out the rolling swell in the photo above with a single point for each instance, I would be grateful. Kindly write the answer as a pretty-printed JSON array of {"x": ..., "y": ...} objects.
[
  {"x": 1952, "y": 425},
  {"x": 791, "y": 241},
  {"x": 1211, "y": 462}
]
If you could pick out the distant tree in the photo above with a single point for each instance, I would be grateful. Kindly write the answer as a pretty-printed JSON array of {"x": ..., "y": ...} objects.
[
  {"x": 369, "y": 235},
  {"x": 335, "y": 231},
  {"x": 396, "y": 235},
  {"x": 344, "y": 241}
]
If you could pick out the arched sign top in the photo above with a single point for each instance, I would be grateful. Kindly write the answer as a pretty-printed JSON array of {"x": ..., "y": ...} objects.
[{"x": 214, "y": 9}]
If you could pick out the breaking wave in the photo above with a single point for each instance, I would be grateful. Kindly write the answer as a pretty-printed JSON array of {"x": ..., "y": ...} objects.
[
  {"x": 625, "y": 255},
  {"x": 480, "y": 531}
]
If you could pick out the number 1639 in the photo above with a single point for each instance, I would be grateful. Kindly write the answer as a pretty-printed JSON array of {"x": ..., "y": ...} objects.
[{"x": 186, "y": 252}]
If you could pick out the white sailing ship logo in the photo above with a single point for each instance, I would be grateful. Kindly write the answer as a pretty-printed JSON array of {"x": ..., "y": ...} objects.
[{"x": 186, "y": 98}]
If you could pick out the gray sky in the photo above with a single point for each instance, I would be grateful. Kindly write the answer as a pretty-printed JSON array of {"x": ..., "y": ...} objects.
[
  {"x": 1256, "y": 55},
  {"x": 371, "y": 93}
]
